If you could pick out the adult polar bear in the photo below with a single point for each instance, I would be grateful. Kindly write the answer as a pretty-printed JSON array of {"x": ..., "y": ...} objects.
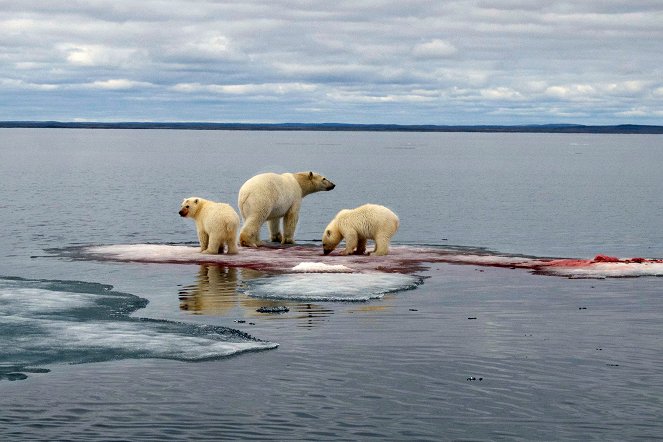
[{"x": 270, "y": 197}]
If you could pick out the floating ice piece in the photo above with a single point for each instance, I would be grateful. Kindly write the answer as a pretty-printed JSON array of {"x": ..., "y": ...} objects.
[
  {"x": 602, "y": 266},
  {"x": 48, "y": 322},
  {"x": 328, "y": 287},
  {"x": 321, "y": 267}
]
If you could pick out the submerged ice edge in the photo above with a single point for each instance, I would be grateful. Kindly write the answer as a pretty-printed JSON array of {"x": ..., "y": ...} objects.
[
  {"x": 405, "y": 259},
  {"x": 59, "y": 322}
]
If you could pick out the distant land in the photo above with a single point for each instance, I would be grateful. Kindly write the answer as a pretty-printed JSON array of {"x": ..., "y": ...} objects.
[{"x": 537, "y": 128}]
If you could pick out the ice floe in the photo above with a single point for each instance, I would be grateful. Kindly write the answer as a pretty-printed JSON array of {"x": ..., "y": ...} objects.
[
  {"x": 401, "y": 259},
  {"x": 55, "y": 322}
]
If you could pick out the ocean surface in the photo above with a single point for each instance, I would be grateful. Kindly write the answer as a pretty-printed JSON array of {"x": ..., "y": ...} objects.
[{"x": 490, "y": 320}]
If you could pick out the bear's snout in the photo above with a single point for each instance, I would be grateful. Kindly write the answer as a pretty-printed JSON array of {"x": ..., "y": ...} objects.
[
  {"x": 183, "y": 212},
  {"x": 327, "y": 251},
  {"x": 331, "y": 186}
]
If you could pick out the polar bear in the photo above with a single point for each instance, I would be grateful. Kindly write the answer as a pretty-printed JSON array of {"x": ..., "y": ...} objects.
[
  {"x": 370, "y": 221},
  {"x": 217, "y": 224},
  {"x": 270, "y": 197}
]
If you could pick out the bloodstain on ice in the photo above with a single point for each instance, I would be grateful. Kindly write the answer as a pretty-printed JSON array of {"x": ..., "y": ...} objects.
[{"x": 401, "y": 259}]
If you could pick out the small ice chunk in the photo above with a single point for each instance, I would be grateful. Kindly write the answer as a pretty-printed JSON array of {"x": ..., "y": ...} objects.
[{"x": 320, "y": 267}]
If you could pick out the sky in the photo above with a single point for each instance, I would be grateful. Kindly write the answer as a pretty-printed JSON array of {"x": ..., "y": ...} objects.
[{"x": 356, "y": 61}]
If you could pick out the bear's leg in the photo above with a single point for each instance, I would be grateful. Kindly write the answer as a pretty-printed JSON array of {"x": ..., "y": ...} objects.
[
  {"x": 361, "y": 246},
  {"x": 215, "y": 245},
  {"x": 381, "y": 245},
  {"x": 249, "y": 236},
  {"x": 275, "y": 230},
  {"x": 203, "y": 238},
  {"x": 290, "y": 224},
  {"x": 232, "y": 246},
  {"x": 350, "y": 243},
  {"x": 231, "y": 241}
]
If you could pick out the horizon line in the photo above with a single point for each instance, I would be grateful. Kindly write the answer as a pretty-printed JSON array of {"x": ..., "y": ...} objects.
[{"x": 367, "y": 127}]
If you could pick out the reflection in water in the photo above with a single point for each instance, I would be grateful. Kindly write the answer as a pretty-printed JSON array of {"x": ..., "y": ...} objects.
[
  {"x": 371, "y": 308},
  {"x": 312, "y": 314},
  {"x": 216, "y": 293},
  {"x": 215, "y": 290}
]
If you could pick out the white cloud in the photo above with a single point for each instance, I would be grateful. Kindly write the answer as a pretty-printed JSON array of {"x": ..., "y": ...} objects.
[
  {"x": 350, "y": 96},
  {"x": 501, "y": 93},
  {"x": 642, "y": 111},
  {"x": 597, "y": 90},
  {"x": 118, "y": 84},
  {"x": 434, "y": 48},
  {"x": 245, "y": 89},
  {"x": 22, "y": 85},
  {"x": 87, "y": 55},
  {"x": 571, "y": 92}
]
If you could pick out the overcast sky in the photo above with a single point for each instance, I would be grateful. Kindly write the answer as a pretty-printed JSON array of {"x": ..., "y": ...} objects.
[{"x": 355, "y": 61}]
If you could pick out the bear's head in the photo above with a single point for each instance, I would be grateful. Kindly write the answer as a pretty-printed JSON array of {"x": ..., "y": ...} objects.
[
  {"x": 330, "y": 238},
  {"x": 311, "y": 182},
  {"x": 189, "y": 207},
  {"x": 320, "y": 182}
]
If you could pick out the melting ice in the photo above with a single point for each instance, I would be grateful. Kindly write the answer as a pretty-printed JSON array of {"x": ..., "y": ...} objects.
[
  {"x": 49, "y": 322},
  {"x": 320, "y": 267},
  {"x": 330, "y": 287}
]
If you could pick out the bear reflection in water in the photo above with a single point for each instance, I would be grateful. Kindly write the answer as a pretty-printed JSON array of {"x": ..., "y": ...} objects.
[{"x": 215, "y": 293}]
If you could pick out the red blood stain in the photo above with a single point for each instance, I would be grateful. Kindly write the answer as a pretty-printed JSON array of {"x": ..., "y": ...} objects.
[{"x": 401, "y": 259}]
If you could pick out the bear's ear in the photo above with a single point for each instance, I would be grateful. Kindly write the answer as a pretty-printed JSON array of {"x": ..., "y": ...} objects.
[
  {"x": 328, "y": 232},
  {"x": 196, "y": 201},
  {"x": 310, "y": 175}
]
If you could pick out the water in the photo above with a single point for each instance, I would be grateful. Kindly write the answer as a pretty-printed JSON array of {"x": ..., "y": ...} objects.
[{"x": 454, "y": 335}]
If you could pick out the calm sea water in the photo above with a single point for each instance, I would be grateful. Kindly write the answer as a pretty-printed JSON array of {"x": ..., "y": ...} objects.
[{"x": 113, "y": 350}]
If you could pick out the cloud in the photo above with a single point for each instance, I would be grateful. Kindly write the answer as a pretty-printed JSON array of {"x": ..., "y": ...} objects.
[
  {"x": 8, "y": 84},
  {"x": 512, "y": 61},
  {"x": 642, "y": 111},
  {"x": 501, "y": 93},
  {"x": 99, "y": 55},
  {"x": 597, "y": 90},
  {"x": 244, "y": 89},
  {"x": 118, "y": 84},
  {"x": 434, "y": 48}
]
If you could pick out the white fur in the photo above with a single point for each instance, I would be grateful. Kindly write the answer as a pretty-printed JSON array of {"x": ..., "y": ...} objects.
[
  {"x": 356, "y": 226},
  {"x": 272, "y": 197},
  {"x": 217, "y": 224}
]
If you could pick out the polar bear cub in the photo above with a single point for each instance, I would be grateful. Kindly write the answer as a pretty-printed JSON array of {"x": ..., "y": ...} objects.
[
  {"x": 217, "y": 224},
  {"x": 272, "y": 197},
  {"x": 370, "y": 221}
]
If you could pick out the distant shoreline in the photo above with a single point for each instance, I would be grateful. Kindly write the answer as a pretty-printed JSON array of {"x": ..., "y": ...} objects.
[{"x": 543, "y": 128}]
